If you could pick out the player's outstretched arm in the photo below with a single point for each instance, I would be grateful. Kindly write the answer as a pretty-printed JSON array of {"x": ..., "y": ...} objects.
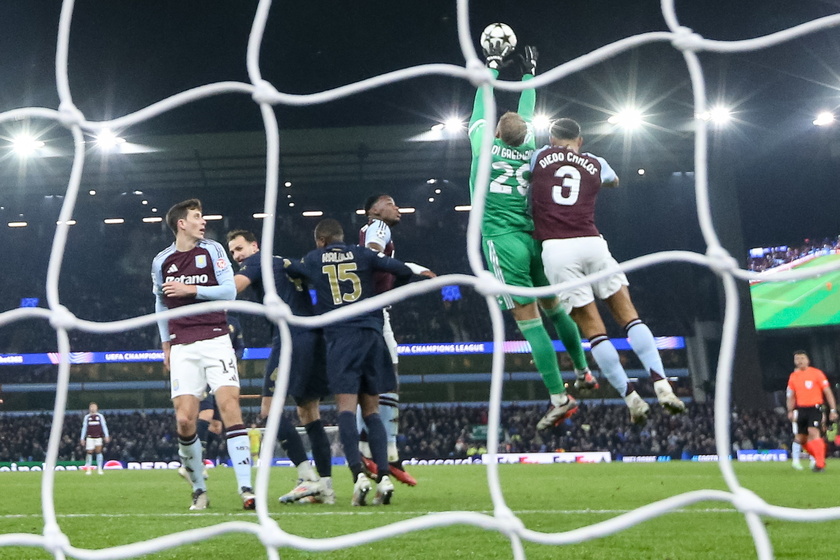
[{"x": 528, "y": 98}]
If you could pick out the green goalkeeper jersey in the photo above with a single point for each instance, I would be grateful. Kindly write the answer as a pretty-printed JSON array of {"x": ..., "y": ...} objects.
[{"x": 506, "y": 207}]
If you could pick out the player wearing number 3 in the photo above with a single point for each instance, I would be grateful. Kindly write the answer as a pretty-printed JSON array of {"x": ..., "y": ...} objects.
[
  {"x": 564, "y": 188},
  {"x": 512, "y": 254}
]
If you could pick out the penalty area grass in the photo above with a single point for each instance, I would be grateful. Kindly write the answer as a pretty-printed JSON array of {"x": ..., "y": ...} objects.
[{"x": 122, "y": 507}]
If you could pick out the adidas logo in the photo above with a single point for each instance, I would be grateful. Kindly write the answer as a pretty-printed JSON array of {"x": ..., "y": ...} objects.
[{"x": 172, "y": 268}]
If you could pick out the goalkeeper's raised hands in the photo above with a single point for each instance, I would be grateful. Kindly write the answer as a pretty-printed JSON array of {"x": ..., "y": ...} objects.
[
  {"x": 528, "y": 60},
  {"x": 495, "y": 52}
]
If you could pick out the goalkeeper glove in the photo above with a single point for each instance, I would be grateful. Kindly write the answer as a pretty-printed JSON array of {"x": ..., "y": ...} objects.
[
  {"x": 495, "y": 54},
  {"x": 528, "y": 60}
]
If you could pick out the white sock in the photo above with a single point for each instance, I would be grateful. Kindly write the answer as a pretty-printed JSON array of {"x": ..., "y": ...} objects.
[
  {"x": 795, "y": 451},
  {"x": 239, "y": 449},
  {"x": 644, "y": 345},
  {"x": 606, "y": 357},
  {"x": 389, "y": 411},
  {"x": 88, "y": 460},
  {"x": 192, "y": 460},
  {"x": 306, "y": 472}
]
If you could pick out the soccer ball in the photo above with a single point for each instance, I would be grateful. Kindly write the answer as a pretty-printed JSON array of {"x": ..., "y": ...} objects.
[{"x": 498, "y": 37}]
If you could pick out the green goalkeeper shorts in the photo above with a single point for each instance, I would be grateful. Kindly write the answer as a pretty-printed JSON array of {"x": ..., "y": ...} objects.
[{"x": 515, "y": 259}]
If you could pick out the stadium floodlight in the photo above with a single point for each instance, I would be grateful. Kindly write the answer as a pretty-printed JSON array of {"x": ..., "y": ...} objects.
[
  {"x": 17, "y": 224},
  {"x": 144, "y": 202},
  {"x": 360, "y": 212},
  {"x": 453, "y": 124},
  {"x": 717, "y": 115},
  {"x": 312, "y": 213},
  {"x": 541, "y": 121},
  {"x": 107, "y": 140},
  {"x": 438, "y": 127},
  {"x": 407, "y": 210},
  {"x": 463, "y": 208},
  {"x": 26, "y": 145},
  {"x": 431, "y": 199},
  {"x": 641, "y": 171},
  {"x": 437, "y": 191},
  {"x": 629, "y": 119},
  {"x": 291, "y": 205},
  {"x": 212, "y": 217},
  {"x": 152, "y": 219},
  {"x": 68, "y": 222},
  {"x": 825, "y": 118},
  {"x": 287, "y": 184},
  {"x": 92, "y": 192},
  {"x": 114, "y": 220},
  {"x": 261, "y": 215}
]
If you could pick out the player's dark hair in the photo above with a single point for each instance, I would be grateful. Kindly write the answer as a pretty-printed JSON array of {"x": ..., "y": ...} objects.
[
  {"x": 565, "y": 129},
  {"x": 180, "y": 211},
  {"x": 248, "y": 235},
  {"x": 373, "y": 199},
  {"x": 512, "y": 129},
  {"x": 330, "y": 230},
  {"x": 798, "y": 352}
]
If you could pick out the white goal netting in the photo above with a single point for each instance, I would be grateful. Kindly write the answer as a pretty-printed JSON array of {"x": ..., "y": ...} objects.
[{"x": 266, "y": 95}]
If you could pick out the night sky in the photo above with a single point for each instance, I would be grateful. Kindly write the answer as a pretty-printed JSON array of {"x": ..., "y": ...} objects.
[{"x": 127, "y": 55}]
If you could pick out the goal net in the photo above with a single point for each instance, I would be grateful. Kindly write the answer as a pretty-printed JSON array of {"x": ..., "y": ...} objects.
[{"x": 502, "y": 520}]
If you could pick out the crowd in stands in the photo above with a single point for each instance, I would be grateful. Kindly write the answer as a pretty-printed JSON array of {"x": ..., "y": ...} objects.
[
  {"x": 772, "y": 257},
  {"x": 113, "y": 283},
  {"x": 433, "y": 432}
]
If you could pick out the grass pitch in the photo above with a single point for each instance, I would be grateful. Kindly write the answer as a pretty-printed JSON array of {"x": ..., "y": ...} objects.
[
  {"x": 800, "y": 303},
  {"x": 123, "y": 507}
]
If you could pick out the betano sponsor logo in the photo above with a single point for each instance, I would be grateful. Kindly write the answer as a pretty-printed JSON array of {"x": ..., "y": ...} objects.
[{"x": 189, "y": 279}]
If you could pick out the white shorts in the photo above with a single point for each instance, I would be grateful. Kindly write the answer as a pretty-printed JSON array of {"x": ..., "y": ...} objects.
[
  {"x": 390, "y": 339},
  {"x": 92, "y": 443},
  {"x": 570, "y": 259},
  {"x": 195, "y": 365}
]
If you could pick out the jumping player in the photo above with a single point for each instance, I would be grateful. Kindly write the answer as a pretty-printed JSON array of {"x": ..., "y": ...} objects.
[
  {"x": 197, "y": 349},
  {"x": 383, "y": 214},
  {"x": 564, "y": 188},
  {"x": 307, "y": 378},
  {"x": 512, "y": 255},
  {"x": 360, "y": 367},
  {"x": 94, "y": 431}
]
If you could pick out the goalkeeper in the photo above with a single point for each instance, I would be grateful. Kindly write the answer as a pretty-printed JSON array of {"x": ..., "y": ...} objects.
[{"x": 513, "y": 256}]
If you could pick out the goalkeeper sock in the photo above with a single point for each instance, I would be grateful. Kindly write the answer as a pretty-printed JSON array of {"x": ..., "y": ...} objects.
[
  {"x": 543, "y": 352},
  {"x": 290, "y": 442},
  {"x": 569, "y": 335},
  {"x": 378, "y": 443},
  {"x": 606, "y": 357},
  {"x": 389, "y": 411},
  {"x": 349, "y": 435},
  {"x": 239, "y": 450},
  {"x": 189, "y": 449},
  {"x": 320, "y": 447},
  {"x": 644, "y": 345}
]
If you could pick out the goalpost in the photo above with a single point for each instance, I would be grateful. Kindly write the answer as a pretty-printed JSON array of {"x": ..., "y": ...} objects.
[{"x": 503, "y": 520}]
